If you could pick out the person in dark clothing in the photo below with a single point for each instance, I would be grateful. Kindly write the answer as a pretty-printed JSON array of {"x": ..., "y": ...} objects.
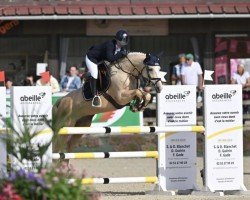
[
  {"x": 110, "y": 51},
  {"x": 29, "y": 80}
]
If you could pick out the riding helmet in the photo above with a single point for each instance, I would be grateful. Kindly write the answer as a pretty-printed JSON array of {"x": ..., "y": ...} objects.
[{"x": 122, "y": 37}]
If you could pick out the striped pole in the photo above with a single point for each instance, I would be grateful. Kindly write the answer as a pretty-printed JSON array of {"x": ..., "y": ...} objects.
[
  {"x": 87, "y": 181},
  {"x": 128, "y": 130},
  {"x": 126, "y": 154}
]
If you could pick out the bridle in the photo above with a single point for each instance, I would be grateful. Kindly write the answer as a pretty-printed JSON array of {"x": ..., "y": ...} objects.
[{"x": 150, "y": 81}]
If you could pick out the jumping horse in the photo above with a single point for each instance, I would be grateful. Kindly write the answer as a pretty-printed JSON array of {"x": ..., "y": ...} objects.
[{"x": 130, "y": 79}]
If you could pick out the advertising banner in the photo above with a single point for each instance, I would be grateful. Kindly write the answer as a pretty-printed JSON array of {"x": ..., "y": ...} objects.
[
  {"x": 31, "y": 110},
  {"x": 121, "y": 117},
  {"x": 221, "y": 70},
  {"x": 3, "y": 154},
  {"x": 223, "y": 137},
  {"x": 177, "y": 163}
]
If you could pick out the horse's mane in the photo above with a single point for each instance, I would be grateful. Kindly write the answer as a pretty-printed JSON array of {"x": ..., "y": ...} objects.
[
  {"x": 132, "y": 56},
  {"x": 132, "y": 53}
]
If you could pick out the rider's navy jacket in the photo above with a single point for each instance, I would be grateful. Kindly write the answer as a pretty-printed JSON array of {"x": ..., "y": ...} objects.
[{"x": 104, "y": 51}]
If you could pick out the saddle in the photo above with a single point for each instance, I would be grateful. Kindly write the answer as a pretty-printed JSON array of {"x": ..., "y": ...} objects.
[{"x": 103, "y": 82}]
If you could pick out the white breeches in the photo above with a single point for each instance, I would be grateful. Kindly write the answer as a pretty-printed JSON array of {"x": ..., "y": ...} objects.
[{"x": 92, "y": 67}]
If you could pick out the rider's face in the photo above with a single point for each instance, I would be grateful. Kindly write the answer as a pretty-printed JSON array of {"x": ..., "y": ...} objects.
[{"x": 118, "y": 44}]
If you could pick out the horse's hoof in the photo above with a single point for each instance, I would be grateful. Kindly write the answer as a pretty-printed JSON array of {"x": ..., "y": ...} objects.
[
  {"x": 133, "y": 109},
  {"x": 143, "y": 108}
]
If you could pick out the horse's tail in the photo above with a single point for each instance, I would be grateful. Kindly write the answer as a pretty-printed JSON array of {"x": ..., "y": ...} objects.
[
  {"x": 57, "y": 103},
  {"x": 61, "y": 112},
  {"x": 55, "y": 109}
]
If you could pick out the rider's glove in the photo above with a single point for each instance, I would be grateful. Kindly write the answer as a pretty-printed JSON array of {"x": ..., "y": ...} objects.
[{"x": 124, "y": 52}]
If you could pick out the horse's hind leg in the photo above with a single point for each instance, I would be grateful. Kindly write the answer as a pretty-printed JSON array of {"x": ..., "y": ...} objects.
[
  {"x": 63, "y": 141},
  {"x": 62, "y": 117},
  {"x": 85, "y": 121},
  {"x": 76, "y": 139}
]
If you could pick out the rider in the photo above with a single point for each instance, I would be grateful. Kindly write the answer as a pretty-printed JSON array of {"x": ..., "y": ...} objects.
[{"x": 110, "y": 51}]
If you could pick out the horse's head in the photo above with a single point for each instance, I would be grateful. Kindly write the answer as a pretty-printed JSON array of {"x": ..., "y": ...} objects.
[
  {"x": 143, "y": 66},
  {"x": 151, "y": 74}
]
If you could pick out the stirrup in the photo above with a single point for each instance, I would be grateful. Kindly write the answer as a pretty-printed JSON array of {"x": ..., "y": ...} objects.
[{"x": 96, "y": 101}]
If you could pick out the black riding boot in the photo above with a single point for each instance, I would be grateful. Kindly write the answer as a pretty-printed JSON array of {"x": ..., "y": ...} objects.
[{"x": 96, "y": 101}]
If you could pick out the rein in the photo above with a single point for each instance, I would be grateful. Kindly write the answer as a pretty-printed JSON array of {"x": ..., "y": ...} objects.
[
  {"x": 139, "y": 73},
  {"x": 149, "y": 81},
  {"x": 118, "y": 66}
]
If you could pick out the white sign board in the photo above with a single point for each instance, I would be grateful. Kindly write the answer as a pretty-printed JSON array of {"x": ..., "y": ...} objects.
[
  {"x": 31, "y": 108},
  {"x": 3, "y": 154},
  {"x": 40, "y": 68},
  {"x": 224, "y": 137},
  {"x": 177, "y": 161}
]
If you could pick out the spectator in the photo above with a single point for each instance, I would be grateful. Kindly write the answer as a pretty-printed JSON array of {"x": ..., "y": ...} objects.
[
  {"x": 241, "y": 77},
  {"x": 82, "y": 75},
  {"x": 192, "y": 73},
  {"x": 71, "y": 82},
  {"x": 50, "y": 82},
  {"x": 176, "y": 77},
  {"x": 8, "y": 85},
  {"x": 29, "y": 80}
]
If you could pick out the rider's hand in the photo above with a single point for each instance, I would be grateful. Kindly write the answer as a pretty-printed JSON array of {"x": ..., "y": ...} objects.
[{"x": 124, "y": 52}]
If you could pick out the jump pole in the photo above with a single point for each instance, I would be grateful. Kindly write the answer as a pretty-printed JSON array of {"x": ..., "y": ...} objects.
[
  {"x": 87, "y": 181},
  {"x": 93, "y": 155},
  {"x": 102, "y": 131}
]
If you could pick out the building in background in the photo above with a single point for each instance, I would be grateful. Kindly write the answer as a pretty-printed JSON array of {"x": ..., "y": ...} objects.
[{"x": 60, "y": 32}]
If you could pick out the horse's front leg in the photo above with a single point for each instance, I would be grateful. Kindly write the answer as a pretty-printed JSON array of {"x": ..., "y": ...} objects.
[{"x": 142, "y": 96}]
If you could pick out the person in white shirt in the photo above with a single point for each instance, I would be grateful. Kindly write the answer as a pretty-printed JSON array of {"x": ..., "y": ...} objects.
[
  {"x": 241, "y": 77},
  {"x": 192, "y": 73},
  {"x": 176, "y": 77}
]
